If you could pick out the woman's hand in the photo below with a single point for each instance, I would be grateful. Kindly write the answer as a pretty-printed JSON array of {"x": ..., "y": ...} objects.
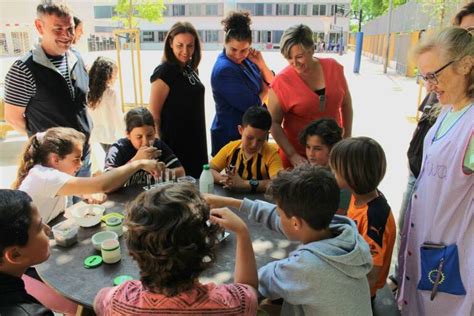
[
  {"x": 227, "y": 219},
  {"x": 256, "y": 57},
  {"x": 296, "y": 160}
]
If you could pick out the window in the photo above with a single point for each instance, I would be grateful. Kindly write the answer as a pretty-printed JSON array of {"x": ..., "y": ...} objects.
[
  {"x": 148, "y": 36},
  {"x": 211, "y": 9},
  {"x": 256, "y": 38},
  {"x": 3, "y": 44},
  {"x": 300, "y": 9},
  {"x": 178, "y": 10},
  {"x": 209, "y": 36},
  {"x": 319, "y": 9},
  {"x": 103, "y": 12},
  {"x": 104, "y": 29},
  {"x": 268, "y": 9},
  {"x": 277, "y": 36},
  {"x": 161, "y": 36},
  {"x": 194, "y": 9},
  {"x": 282, "y": 9}
]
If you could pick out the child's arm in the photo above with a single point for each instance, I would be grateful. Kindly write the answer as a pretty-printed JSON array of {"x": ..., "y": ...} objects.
[
  {"x": 245, "y": 265},
  {"x": 373, "y": 275},
  {"x": 217, "y": 201},
  {"x": 109, "y": 181}
]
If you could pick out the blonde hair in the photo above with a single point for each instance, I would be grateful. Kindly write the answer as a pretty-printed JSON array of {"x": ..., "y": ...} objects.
[
  {"x": 57, "y": 140},
  {"x": 296, "y": 35},
  {"x": 452, "y": 43}
]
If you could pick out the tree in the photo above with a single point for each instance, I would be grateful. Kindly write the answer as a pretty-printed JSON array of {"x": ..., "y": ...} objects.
[
  {"x": 374, "y": 8},
  {"x": 441, "y": 10},
  {"x": 129, "y": 11}
]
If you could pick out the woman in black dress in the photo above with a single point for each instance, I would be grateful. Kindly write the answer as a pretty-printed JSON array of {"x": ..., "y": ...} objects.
[{"x": 177, "y": 98}]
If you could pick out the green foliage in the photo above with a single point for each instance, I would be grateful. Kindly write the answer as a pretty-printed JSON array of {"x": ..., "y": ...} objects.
[
  {"x": 374, "y": 8},
  {"x": 441, "y": 10},
  {"x": 130, "y": 11}
]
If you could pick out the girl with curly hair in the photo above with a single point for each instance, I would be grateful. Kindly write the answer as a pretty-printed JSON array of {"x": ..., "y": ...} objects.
[
  {"x": 104, "y": 106},
  {"x": 172, "y": 236}
]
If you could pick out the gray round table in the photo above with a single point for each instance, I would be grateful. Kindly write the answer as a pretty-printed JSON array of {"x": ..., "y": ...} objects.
[{"x": 65, "y": 272}]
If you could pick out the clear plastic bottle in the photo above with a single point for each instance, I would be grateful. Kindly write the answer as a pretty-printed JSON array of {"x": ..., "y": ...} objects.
[{"x": 206, "y": 180}]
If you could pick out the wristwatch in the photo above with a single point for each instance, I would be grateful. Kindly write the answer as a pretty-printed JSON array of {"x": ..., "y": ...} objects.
[{"x": 253, "y": 185}]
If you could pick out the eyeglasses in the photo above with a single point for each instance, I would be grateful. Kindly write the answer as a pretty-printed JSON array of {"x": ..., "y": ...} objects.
[{"x": 432, "y": 77}]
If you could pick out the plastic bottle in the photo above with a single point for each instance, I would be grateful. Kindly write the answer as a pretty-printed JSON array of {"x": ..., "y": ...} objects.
[{"x": 206, "y": 180}]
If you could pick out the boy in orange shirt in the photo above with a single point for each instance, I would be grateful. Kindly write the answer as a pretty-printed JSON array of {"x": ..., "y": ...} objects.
[{"x": 359, "y": 165}]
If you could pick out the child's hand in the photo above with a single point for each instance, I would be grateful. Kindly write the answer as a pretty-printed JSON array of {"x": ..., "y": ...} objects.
[
  {"x": 234, "y": 182},
  {"x": 227, "y": 219},
  {"x": 147, "y": 152},
  {"x": 152, "y": 166},
  {"x": 96, "y": 198}
]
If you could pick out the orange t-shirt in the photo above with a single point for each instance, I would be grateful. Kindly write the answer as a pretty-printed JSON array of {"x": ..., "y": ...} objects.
[
  {"x": 300, "y": 105},
  {"x": 376, "y": 224}
]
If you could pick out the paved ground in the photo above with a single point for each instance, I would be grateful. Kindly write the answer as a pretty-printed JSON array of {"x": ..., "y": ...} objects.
[{"x": 384, "y": 105}]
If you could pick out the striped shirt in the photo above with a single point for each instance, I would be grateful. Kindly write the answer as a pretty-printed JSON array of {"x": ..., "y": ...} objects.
[
  {"x": 20, "y": 85},
  {"x": 261, "y": 166}
]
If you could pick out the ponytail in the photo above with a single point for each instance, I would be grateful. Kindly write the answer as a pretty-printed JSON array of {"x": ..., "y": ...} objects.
[
  {"x": 56, "y": 140},
  {"x": 29, "y": 158}
]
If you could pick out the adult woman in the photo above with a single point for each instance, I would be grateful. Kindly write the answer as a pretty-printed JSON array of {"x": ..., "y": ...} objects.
[
  {"x": 436, "y": 253},
  {"x": 307, "y": 89},
  {"x": 177, "y": 98},
  {"x": 78, "y": 29},
  {"x": 239, "y": 79}
]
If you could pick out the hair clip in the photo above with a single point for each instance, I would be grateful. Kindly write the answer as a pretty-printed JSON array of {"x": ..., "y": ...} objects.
[{"x": 40, "y": 136}]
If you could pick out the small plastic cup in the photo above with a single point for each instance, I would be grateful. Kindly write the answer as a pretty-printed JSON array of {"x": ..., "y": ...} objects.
[{"x": 65, "y": 233}]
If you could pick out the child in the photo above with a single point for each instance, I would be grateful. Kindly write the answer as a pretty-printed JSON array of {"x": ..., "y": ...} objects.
[
  {"x": 332, "y": 261},
  {"x": 250, "y": 162},
  {"x": 48, "y": 165},
  {"x": 141, "y": 143},
  {"x": 24, "y": 242},
  {"x": 103, "y": 103},
  {"x": 359, "y": 165},
  {"x": 170, "y": 238},
  {"x": 319, "y": 137}
]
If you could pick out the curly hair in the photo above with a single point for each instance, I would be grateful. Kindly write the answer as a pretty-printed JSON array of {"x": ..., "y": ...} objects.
[
  {"x": 99, "y": 76},
  {"x": 327, "y": 129},
  {"x": 170, "y": 238},
  {"x": 237, "y": 26},
  {"x": 56, "y": 140}
]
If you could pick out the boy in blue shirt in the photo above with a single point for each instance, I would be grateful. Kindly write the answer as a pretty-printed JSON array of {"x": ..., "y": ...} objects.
[{"x": 332, "y": 260}]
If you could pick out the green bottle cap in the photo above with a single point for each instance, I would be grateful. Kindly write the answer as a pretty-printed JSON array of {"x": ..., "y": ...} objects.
[
  {"x": 206, "y": 167},
  {"x": 122, "y": 278},
  {"x": 92, "y": 262}
]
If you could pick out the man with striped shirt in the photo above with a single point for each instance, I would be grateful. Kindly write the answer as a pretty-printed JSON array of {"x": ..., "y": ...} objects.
[{"x": 47, "y": 87}]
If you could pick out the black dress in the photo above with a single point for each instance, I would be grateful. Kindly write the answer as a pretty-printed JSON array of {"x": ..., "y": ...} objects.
[{"x": 183, "y": 121}]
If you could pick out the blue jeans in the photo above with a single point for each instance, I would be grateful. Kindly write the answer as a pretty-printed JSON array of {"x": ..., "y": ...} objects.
[{"x": 84, "y": 172}]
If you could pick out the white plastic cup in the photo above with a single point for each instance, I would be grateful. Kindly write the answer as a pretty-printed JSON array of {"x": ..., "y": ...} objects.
[{"x": 110, "y": 250}]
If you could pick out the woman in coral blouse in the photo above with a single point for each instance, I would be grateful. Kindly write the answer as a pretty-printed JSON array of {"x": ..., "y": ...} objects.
[{"x": 309, "y": 88}]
